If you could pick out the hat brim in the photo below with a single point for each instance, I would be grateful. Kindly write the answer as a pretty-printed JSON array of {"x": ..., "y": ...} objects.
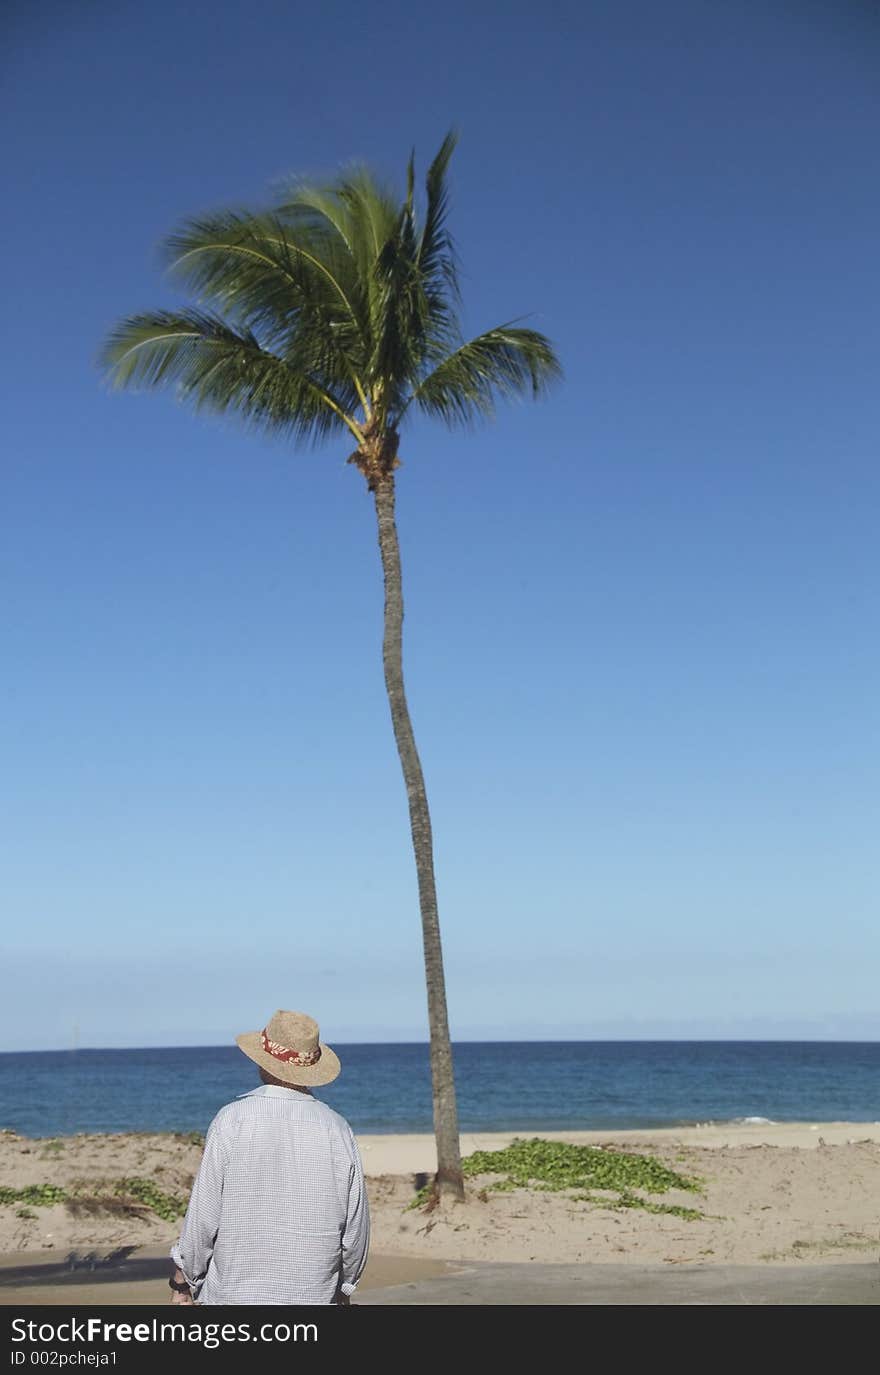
[{"x": 324, "y": 1071}]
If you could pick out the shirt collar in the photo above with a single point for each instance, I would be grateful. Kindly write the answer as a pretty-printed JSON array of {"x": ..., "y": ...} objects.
[{"x": 272, "y": 1091}]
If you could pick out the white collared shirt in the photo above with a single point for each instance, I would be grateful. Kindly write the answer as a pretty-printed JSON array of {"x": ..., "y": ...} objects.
[{"x": 278, "y": 1212}]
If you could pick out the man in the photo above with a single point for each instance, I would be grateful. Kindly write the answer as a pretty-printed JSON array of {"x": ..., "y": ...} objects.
[{"x": 278, "y": 1212}]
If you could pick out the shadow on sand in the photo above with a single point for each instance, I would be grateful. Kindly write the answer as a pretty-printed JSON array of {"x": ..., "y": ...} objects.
[{"x": 87, "y": 1268}]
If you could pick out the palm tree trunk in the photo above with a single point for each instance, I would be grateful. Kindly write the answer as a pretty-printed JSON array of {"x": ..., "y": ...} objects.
[{"x": 449, "y": 1176}]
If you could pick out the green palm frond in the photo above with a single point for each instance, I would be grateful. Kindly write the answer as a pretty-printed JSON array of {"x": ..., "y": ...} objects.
[
  {"x": 318, "y": 205},
  {"x": 221, "y": 369},
  {"x": 436, "y": 255},
  {"x": 372, "y": 214},
  {"x": 265, "y": 277},
  {"x": 504, "y": 361},
  {"x": 401, "y": 314},
  {"x": 256, "y": 266}
]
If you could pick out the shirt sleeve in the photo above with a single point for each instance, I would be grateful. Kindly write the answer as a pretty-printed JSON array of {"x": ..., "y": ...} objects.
[
  {"x": 356, "y": 1233},
  {"x": 192, "y": 1253}
]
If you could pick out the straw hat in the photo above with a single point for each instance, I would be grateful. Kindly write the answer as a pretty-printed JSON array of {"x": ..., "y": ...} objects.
[{"x": 289, "y": 1048}]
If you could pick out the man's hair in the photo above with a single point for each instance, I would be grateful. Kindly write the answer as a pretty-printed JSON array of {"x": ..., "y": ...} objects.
[{"x": 268, "y": 1078}]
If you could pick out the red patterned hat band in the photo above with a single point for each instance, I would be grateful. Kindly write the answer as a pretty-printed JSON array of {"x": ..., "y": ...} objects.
[{"x": 290, "y": 1057}]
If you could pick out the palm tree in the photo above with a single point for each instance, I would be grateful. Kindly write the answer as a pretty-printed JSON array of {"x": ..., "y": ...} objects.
[{"x": 335, "y": 311}]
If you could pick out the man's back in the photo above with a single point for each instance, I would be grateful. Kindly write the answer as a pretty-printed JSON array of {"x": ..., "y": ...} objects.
[{"x": 278, "y": 1212}]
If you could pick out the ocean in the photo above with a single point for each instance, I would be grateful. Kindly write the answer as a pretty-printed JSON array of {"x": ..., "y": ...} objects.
[{"x": 502, "y": 1086}]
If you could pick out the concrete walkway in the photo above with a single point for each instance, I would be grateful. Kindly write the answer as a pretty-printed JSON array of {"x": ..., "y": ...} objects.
[
  {"x": 142, "y": 1278},
  {"x": 603, "y": 1285}
]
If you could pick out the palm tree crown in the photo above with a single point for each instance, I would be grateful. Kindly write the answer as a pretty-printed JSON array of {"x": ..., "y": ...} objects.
[{"x": 334, "y": 310}]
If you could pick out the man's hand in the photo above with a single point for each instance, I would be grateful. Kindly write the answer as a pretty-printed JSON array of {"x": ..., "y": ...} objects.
[{"x": 185, "y": 1298}]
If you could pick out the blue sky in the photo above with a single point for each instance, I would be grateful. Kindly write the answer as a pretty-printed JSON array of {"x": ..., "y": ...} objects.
[{"x": 641, "y": 634}]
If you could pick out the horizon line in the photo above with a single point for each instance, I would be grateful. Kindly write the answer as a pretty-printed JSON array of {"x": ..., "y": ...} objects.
[{"x": 493, "y": 1041}]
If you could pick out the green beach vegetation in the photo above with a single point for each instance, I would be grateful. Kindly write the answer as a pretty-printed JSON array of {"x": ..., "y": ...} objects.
[
  {"x": 554, "y": 1166},
  {"x": 40, "y": 1195},
  {"x": 115, "y": 1196}
]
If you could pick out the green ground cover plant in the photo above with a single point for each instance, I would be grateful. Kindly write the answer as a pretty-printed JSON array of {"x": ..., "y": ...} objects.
[{"x": 554, "y": 1166}]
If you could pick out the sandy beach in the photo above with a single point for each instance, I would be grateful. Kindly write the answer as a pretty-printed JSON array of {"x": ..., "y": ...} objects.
[{"x": 769, "y": 1195}]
